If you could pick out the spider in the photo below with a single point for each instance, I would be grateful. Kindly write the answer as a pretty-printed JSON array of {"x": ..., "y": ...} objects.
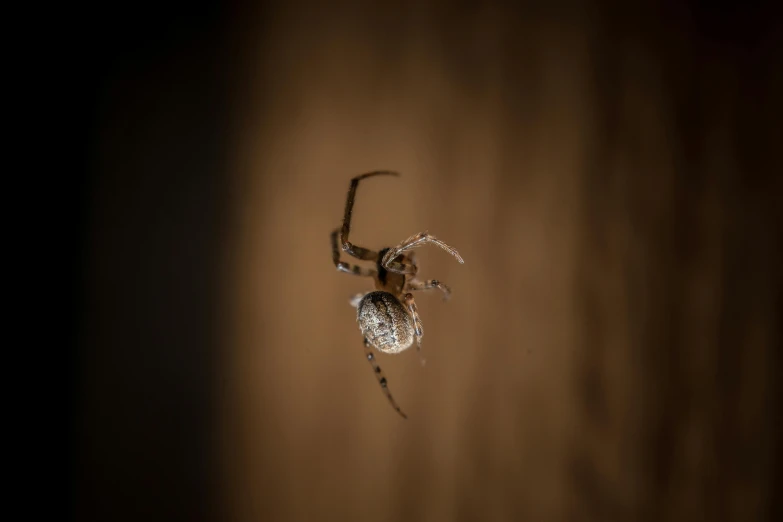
[{"x": 387, "y": 317}]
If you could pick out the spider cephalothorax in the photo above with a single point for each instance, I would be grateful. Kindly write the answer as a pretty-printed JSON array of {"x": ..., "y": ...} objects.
[{"x": 387, "y": 317}]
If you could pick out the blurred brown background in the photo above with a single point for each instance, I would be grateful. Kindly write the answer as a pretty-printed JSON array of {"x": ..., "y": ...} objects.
[{"x": 611, "y": 349}]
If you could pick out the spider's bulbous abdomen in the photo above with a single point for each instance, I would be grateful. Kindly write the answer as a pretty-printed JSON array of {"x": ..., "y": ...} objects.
[{"x": 385, "y": 322}]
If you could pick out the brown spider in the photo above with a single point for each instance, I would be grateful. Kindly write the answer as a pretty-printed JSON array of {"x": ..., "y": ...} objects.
[{"x": 387, "y": 317}]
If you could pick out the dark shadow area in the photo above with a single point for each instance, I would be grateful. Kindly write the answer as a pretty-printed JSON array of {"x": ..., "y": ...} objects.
[{"x": 150, "y": 129}]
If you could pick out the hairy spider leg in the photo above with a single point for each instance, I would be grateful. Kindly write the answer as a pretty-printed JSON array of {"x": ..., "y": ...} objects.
[
  {"x": 368, "y": 353},
  {"x": 406, "y": 265},
  {"x": 399, "y": 267},
  {"x": 349, "y": 248},
  {"x": 416, "y": 240}
]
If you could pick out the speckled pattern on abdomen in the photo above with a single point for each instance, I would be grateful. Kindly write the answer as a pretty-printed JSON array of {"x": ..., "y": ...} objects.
[{"x": 385, "y": 323}]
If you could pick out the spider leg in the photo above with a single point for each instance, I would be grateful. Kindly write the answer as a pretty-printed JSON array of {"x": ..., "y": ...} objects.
[
  {"x": 417, "y": 326},
  {"x": 398, "y": 267},
  {"x": 416, "y": 240},
  {"x": 429, "y": 285},
  {"x": 381, "y": 377},
  {"x": 349, "y": 248},
  {"x": 406, "y": 265},
  {"x": 345, "y": 267}
]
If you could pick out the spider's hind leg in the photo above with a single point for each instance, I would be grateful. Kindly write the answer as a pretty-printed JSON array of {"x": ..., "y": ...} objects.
[{"x": 368, "y": 353}]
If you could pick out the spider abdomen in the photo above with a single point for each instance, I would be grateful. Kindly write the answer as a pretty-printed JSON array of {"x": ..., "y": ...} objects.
[{"x": 384, "y": 322}]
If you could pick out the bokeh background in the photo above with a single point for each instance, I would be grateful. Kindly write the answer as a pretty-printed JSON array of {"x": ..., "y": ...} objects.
[{"x": 610, "y": 174}]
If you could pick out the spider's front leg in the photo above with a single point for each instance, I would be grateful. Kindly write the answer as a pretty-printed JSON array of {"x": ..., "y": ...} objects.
[
  {"x": 416, "y": 240},
  {"x": 349, "y": 248},
  {"x": 418, "y": 328},
  {"x": 402, "y": 264},
  {"x": 342, "y": 266}
]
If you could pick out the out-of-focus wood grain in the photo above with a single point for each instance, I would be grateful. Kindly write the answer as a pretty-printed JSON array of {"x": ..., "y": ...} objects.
[{"x": 610, "y": 350}]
